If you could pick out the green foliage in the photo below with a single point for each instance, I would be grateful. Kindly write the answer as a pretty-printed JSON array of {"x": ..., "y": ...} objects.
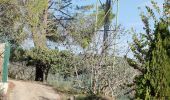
[
  {"x": 63, "y": 86},
  {"x": 53, "y": 33},
  {"x": 154, "y": 82},
  {"x": 11, "y": 27},
  {"x": 17, "y": 54},
  {"x": 53, "y": 60},
  {"x": 50, "y": 61},
  {"x": 34, "y": 11},
  {"x": 82, "y": 30},
  {"x": 152, "y": 54},
  {"x": 84, "y": 8},
  {"x": 92, "y": 97},
  {"x": 43, "y": 56},
  {"x": 101, "y": 15},
  {"x": 159, "y": 64}
]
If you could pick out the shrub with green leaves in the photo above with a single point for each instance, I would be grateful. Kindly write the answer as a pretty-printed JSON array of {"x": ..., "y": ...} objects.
[{"x": 50, "y": 60}]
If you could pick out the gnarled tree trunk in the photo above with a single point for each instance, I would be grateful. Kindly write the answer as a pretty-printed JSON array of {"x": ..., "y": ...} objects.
[{"x": 39, "y": 39}]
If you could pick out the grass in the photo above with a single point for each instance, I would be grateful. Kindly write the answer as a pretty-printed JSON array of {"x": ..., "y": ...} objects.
[
  {"x": 92, "y": 97},
  {"x": 63, "y": 87}
]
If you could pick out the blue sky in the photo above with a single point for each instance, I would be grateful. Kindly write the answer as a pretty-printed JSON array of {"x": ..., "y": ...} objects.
[
  {"x": 129, "y": 14},
  {"x": 128, "y": 11}
]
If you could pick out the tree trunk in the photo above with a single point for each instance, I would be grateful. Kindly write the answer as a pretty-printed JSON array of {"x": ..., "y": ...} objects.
[
  {"x": 46, "y": 74},
  {"x": 39, "y": 39},
  {"x": 39, "y": 74},
  {"x": 40, "y": 43},
  {"x": 106, "y": 27}
]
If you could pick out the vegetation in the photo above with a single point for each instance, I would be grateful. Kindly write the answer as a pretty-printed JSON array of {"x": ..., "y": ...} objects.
[
  {"x": 88, "y": 66},
  {"x": 152, "y": 54}
]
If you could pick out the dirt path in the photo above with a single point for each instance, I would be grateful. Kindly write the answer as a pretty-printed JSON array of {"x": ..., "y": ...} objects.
[{"x": 32, "y": 91}]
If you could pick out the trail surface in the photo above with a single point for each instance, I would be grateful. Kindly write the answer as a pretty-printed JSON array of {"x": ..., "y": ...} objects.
[{"x": 32, "y": 91}]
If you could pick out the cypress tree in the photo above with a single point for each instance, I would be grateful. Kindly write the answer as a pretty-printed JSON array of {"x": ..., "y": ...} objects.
[
  {"x": 159, "y": 66},
  {"x": 152, "y": 53}
]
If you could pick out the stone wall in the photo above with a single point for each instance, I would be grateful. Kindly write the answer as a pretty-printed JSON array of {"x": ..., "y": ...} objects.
[{"x": 19, "y": 70}]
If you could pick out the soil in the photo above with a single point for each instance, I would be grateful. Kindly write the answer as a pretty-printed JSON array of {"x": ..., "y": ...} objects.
[{"x": 32, "y": 91}]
